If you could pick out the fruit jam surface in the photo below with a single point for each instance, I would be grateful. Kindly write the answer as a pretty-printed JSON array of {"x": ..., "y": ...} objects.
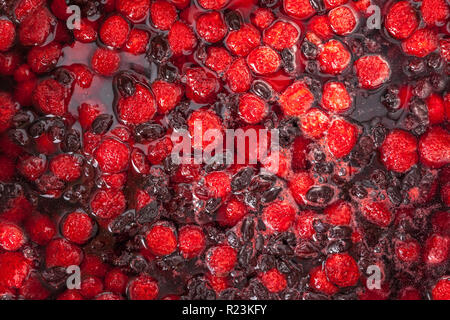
[{"x": 357, "y": 207}]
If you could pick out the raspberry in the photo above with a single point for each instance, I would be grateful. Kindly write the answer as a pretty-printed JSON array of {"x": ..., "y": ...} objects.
[
  {"x": 181, "y": 39},
  {"x": 441, "y": 290},
  {"x": 434, "y": 147},
  {"x": 7, "y": 110},
  {"x": 304, "y": 227},
  {"x": 108, "y": 203},
  {"x": 105, "y": 62},
  {"x": 377, "y": 213},
  {"x": 83, "y": 75},
  {"x": 339, "y": 213},
  {"x": 241, "y": 42},
  {"x": 44, "y": 59},
  {"x": 143, "y": 287},
  {"x": 341, "y": 138},
  {"x": 108, "y": 296},
  {"x": 221, "y": 259},
  {"x": 201, "y": 86},
  {"x": 66, "y": 167},
  {"x": 252, "y": 109},
  {"x": 12, "y": 237},
  {"x": 167, "y": 95},
  {"x": 87, "y": 32},
  {"x": 218, "y": 284},
  {"x": 299, "y": 186},
  {"x": 335, "y": 97},
  {"x": 112, "y": 156},
  {"x": 116, "y": 281},
  {"x": 35, "y": 28},
  {"x": 318, "y": 281},
  {"x": 93, "y": 266},
  {"x": 434, "y": 12},
  {"x": 163, "y": 14},
  {"x": 213, "y": 4},
  {"x": 137, "y": 108},
  {"x": 32, "y": 167},
  {"x": 342, "y": 270},
  {"x": 14, "y": 269},
  {"x": 23, "y": 73},
  {"x": 51, "y": 97},
  {"x": 401, "y": 20},
  {"x": 90, "y": 287},
  {"x": 445, "y": 49},
  {"x": 372, "y": 71},
  {"x": 296, "y": 99},
  {"x": 281, "y": 35},
  {"x": 137, "y": 42},
  {"x": 207, "y": 120},
  {"x": 279, "y": 216},
  {"x": 320, "y": 25},
  {"x": 300, "y": 9},
  {"x": 334, "y": 57},
  {"x": 218, "y": 59},
  {"x": 114, "y": 31},
  {"x": 59, "y": 9},
  {"x": 218, "y": 183},
  {"x": 399, "y": 151},
  {"x": 273, "y": 280},
  {"x": 70, "y": 295},
  {"x": 134, "y": 10},
  {"x": 342, "y": 20},
  {"x": 436, "y": 108},
  {"x": 77, "y": 227},
  {"x": 407, "y": 251},
  {"x": 7, "y": 35},
  {"x": 33, "y": 289},
  {"x": 238, "y": 76},
  {"x": 314, "y": 123},
  {"x": 262, "y": 18},
  {"x": 264, "y": 60},
  {"x": 61, "y": 253},
  {"x": 24, "y": 7},
  {"x": 161, "y": 240},
  {"x": 139, "y": 162},
  {"x": 436, "y": 249},
  {"x": 330, "y": 4},
  {"x": 158, "y": 150},
  {"x": 421, "y": 43},
  {"x": 9, "y": 62},
  {"x": 211, "y": 27},
  {"x": 231, "y": 213},
  {"x": 192, "y": 241}
]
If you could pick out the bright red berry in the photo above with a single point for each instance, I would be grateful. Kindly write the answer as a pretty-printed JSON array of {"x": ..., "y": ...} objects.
[
  {"x": 192, "y": 241},
  {"x": 77, "y": 227},
  {"x": 7, "y": 35},
  {"x": 281, "y": 35},
  {"x": 314, "y": 123},
  {"x": 335, "y": 97},
  {"x": 105, "y": 62},
  {"x": 301, "y": 9},
  {"x": 112, "y": 156},
  {"x": 137, "y": 108},
  {"x": 399, "y": 151},
  {"x": 341, "y": 138},
  {"x": 339, "y": 213},
  {"x": 143, "y": 287},
  {"x": 14, "y": 269},
  {"x": 11, "y": 236},
  {"x": 114, "y": 31},
  {"x": 134, "y": 10},
  {"x": 318, "y": 281},
  {"x": 161, "y": 240},
  {"x": 221, "y": 259},
  {"x": 434, "y": 147},
  {"x": 401, "y": 20},
  {"x": 273, "y": 280},
  {"x": 238, "y": 76},
  {"x": 61, "y": 253},
  {"x": 279, "y": 216},
  {"x": 163, "y": 14},
  {"x": 342, "y": 270},
  {"x": 108, "y": 203},
  {"x": 372, "y": 71},
  {"x": 377, "y": 213},
  {"x": 264, "y": 60},
  {"x": 334, "y": 57},
  {"x": 421, "y": 43},
  {"x": 252, "y": 109},
  {"x": 241, "y": 42},
  {"x": 342, "y": 20},
  {"x": 296, "y": 99},
  {"x": 181, "y": 38},
  {"x": 211, "y": 27}
]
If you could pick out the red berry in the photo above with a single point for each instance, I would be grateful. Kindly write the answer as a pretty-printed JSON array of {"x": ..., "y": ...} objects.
[
  {"x": 33, "y": 289},
  {"x": 299, "y": 185},
  {"x": 93, "y": 266},
  {"x": 40, "y": 228},
  {"x": 192, "y": 241},
  {"x": 441, "y": 290},
  {"x": 320, "y": 25},
  {"x": 342, "y": 20},
  {"x": 36, "y": 27},
  {"x": 218, "y": 59},
  {"x": 14, "y": 269},
  {"x": 238, "y": 76},
  {"x": 218, "y": 183},
  {"x": 436, "y": 108},
  {"x": 296, "y": 99},
  {"x": 252, "y": 109},
  {"x": 12, "y": 238},
  {"x": 335, "y": 97},
  {"x": 90, "y": 287},
  {"x": 87, "y": 32},
  {"x": 105, "y": 62},
  {"x": 212, "y": 4},
  {"x": 377, "y": 213},
  {"x": 181, "y": 39},
  {"x": 434, "y": 147},
  {"x": 163, "y": 14},
  {"x": 264, "y": 60},
  {"x": 158, "y": 150},
  {"x": 372, "y": 71},
  {"x": 341, "y": 138},
  {"x": 137, "y": 42},
  {"x": 211, "y": 27},
  {"x": 231, "y": 212},
  {"x": 83, "y": 75},
  {"x": 201, "y": 86},
  {"x": 301, "y": 9},
  {"x": 273, "y": 280},
  {"x": 116, "y": 281},
  {"x": 66, "y": 167},
  {"x": 167, "y": 95},
  {"x": 334, "y": 57},
  {"x": 262, "y": 18},
  {"x": 435, "y": 12},
  {"x": 161, "y": 240},
  {"x": 314, "y": 123},
  {"x": 134, "y": 10},
  {"x": 7, "y": 35},
  {"x": 201, "y": 121},
  {"x": 112, "y": 156},
  {"x": 221, "y": 259},
  {"x": 87, "y": 112},
  {"x": 279, "y": 216},
  {"x": 281, "y": 35},
  {"x": 43, "y": 59},
  {"x": 50, "y": 97},
  {"x": 304, "y": 227},
  {"x": 421, "y": 43},
  {"x": 137, "y": 108},
  {"x": 436, "y": 249},
  {"x": 407, "y": 251},
  {"x": 318, "y": 281},
  {"x": 399, "y": 151},
  {"x": 108, "y": 203},
  {"x": 114, "y": 31},
  {"x": 77, "y": 227},
  {"x": 241, "y": 42},
  {"x": 330, "y": 4},
  {"x": 401, "y": 20},
  {"x": 339, "y": 213},
  {"x": 7, "y": 110},
  {"x": 70, "y": 295},
  {"x": 61, "y": 253},
  {"x": 143, "y": 287},
  {"x": 342, "y": 270}
]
